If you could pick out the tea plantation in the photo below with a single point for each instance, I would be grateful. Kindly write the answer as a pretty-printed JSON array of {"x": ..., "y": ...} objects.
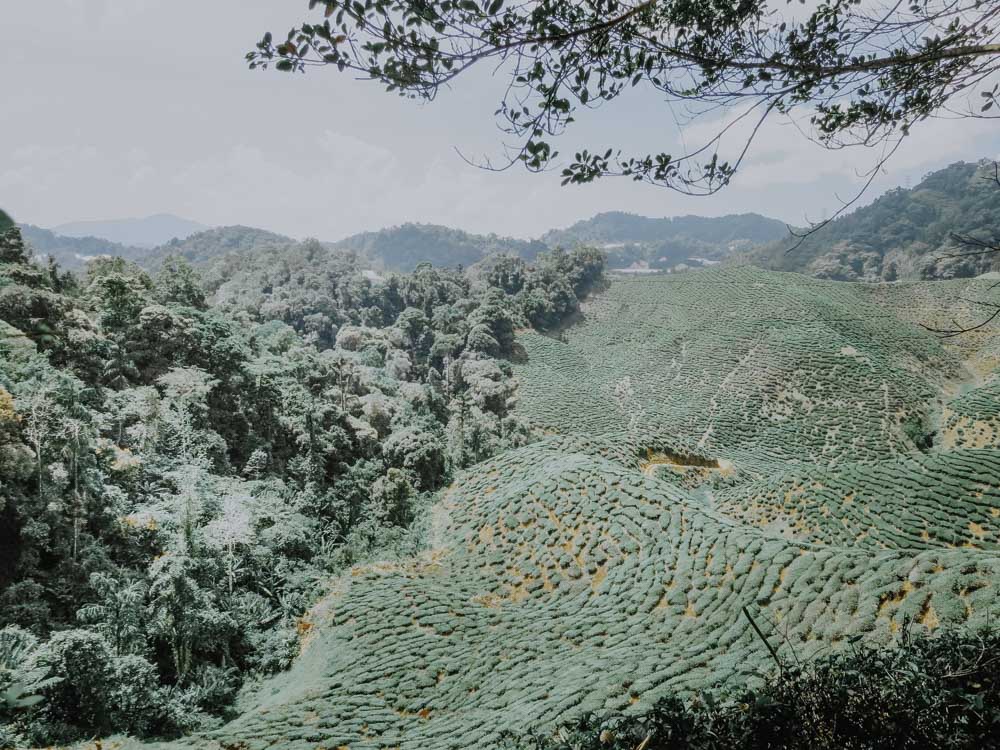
[{"x": 718, "y": 440}]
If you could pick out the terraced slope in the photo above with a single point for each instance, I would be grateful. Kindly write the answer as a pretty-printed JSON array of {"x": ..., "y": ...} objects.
[
  {"x": 746, "y": 364},
  {"x": 943, "y": 500},
  {"x": 723, "y": 439}
]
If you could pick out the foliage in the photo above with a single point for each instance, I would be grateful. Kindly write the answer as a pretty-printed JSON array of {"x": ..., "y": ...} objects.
[
  {"x": 941, "y": 691},
  {"x": 82, "y": 664},
  {"x": 405, "y": 247},
  {"x": 185, "y": 463},
  {"x": 210, "y": 245},
  {"x": 74, "y": 252},
  {"x": 908, "y": 233},
  {"x": 864, "y": 76}
]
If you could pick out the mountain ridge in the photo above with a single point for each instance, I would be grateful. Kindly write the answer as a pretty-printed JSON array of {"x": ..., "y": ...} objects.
[{"x": 906, "y": 233}]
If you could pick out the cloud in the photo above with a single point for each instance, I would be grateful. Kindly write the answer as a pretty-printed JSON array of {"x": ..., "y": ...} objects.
[
  {"x": 783, "y": 154},
  {"x": 140, "y": 107}
]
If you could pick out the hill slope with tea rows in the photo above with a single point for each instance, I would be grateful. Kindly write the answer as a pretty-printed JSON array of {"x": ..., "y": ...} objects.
[{"x": 718, "y": 440}]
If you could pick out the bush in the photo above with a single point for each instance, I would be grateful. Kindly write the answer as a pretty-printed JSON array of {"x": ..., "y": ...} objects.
[
  {"x": 81, "y": 663},
  {"x": 134, "y": 696},
  {"x": 940, "y": 692},
  {"x": 93, "y": 692}
]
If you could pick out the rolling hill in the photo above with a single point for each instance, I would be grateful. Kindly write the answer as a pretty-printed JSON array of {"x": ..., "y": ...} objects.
[
  {"x": 733, "y": 438},
  {"x": 215, "y": 245},
  {"x": 404, "y": 247},
  {"x": 628, "y": 239},
  {"x": 904, "y": 234}
]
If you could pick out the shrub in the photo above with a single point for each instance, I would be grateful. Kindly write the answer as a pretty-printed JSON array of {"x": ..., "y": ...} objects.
[
  {"x": 940, "y": 692},
  {"x": 81, "y": 664},
  {"x": 16, "y": 646},
  {"x": 133, "y": 697}
]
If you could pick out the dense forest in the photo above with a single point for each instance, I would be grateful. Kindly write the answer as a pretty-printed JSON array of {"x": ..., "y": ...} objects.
[
  {"x": 184, "y": 462},
  {"x": 404, "y": 247}
]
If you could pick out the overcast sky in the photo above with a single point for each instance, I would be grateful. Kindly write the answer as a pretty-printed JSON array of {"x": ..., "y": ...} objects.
[{"x": 124, "y": 108}]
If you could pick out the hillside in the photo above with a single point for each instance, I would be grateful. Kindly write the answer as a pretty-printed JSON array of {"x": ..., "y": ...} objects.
[
  {"x": 904, "y": 234},
  {"x": 214, "y": 245},
  {"x": 404, "y": 247},
  {"x": 148, "y": 231},
  {"x": 663, "y": 243},
  {"x": 74, "y": 252},
  {"x": 716, "y": 440}
]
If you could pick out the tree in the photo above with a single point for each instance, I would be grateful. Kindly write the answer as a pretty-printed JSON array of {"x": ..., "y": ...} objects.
[
  {"x": 118, "y": 615},
  {"x": 392, "y": 498},
  {"x": 865, "y": 75},
  {"x": 183, "y": 612},
  {"x": 185, "y": 393},
  {"x": 119, "y": 290},
  {"x": 231, "y": 529},
  {"x": 81, "y": 662},
  {"x": 178, "y": 283},
  {"x": 508, "y": 273}
]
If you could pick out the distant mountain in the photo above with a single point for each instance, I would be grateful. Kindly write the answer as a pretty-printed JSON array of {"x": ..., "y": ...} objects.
[
  {"x": 404, "y": 247},
  {"x": 904, "y": 234},
  {"x": 205, "y": 248},
  {"x": 74, "y": 252},
  {"x": 146, "y": 232},
  {"x": 632, "y": 240}
]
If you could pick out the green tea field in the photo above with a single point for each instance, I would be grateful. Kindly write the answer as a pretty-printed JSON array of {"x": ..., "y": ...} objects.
[{"x": 722, "y": 439}]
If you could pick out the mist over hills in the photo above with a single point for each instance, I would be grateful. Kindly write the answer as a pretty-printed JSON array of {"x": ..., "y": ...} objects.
[
  {"x": 148, "y": 231},
  {"x": 907, "y": 233},
  {"x": 74, "y": 252},
  {"x": 627, "y": 238}
]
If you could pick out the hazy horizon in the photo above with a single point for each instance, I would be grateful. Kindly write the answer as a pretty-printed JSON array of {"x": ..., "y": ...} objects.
[{"x": 198, "y": 135}]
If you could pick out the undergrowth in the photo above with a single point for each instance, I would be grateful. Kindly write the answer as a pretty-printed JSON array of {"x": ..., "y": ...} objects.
[{"x": 940, "y": 691}]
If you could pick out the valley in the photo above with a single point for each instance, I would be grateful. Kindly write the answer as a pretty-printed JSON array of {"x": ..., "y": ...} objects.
[{"x": 584, "y": 572}]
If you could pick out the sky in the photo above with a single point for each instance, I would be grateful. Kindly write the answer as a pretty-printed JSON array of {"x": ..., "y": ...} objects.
[{"x": 126, "y": 108}]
